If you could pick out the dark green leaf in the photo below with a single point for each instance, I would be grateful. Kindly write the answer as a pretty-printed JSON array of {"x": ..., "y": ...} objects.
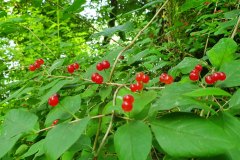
[
  {"x": 187, "y": 135},
  {"x": 63, "y": 136},
  {"x": 133, "y": 141}
]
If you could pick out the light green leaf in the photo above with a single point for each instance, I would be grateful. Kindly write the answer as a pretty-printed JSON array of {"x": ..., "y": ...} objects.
[
  {"x": 128, "y": 26},
  {"x": 7, "y": 143},
  {"x": 62, "y": 137},
  {"x": 210, "y": 91},
  {"x": 56, "y": 63},
  {"x": 187, "y": 135},
  {"x": 75, "y": 6},
  {"x": 133, "y": 141},
  {"x": 66, "y": 109},
  {"x": 222, "y": 52},
  {"x": 140, "y": 55},
  {"x": 232, "y": 71}
]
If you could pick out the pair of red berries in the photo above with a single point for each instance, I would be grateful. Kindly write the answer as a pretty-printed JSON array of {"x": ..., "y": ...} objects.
[
  {"x": 103, "y": 65},
  {"x": 53, "y": 100},
  {"x": 165, "y": 78},
  {"x": 194, "y": 74},
  {"x": 55, "y": 122},
  {"x": 211, "y": 79},
  {"x": 97, "y": 78},
  {"x": 127, "y": 104},
  {"x": 72, "y": 67},
  {"x": 36, "y": 65},
  {"x": 140, "y": 78}
]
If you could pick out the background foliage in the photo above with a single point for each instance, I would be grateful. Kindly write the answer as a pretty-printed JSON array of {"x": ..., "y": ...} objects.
[{"x": 182, "y": 120}]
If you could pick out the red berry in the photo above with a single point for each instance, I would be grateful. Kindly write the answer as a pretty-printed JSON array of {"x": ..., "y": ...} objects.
[
  {"x": 193, "y": 76},
  {"x": 53, "y": 100},
  {"x": 32, "y": 67},
  {"x": 163, "y": 77},
  {"x": 145, "y": 78},
  {"x": 128, "y": 98},
  {"x": 139, "y": 86},
  {"x": 98, "y": 79},
  {"x": 55, "y": 122},
  {"x": 76, "y": 65},
  {"x": 168, "y": 79},
  {"x": 199, "y": 67},
  {"x": 139, "y": 76},
  {"x": 195, "y": 71},
  {"x": 40, "y": 61},
  {"x": 37, "y": 65},
  {"x": 209, "y": 79},
  {"x": 126, "y": 106},
  {"x": 99, "y": 66},
  {"x": 222, "y": 76},
  {"x": 215, "y": 76},
  {"x": 105, "y": 64},
  {"x": 70, "y": 68},
  {"x": 94, "y": 76},
  {"x": 133, "y": 87}
]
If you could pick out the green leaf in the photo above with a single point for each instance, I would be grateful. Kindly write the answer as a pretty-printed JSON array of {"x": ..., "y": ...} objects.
[
  {"x": 187, "y": 135},
  {"x": 7, "y": 143},
  {"x": 63, "y": 136},
  {"x": 172, "y": 96},
  {"x": 234, "y": 104},
  {"x": 232, "y": 71},
  {"x": 210, "y": 91},
  {"x": 34, "y": 148},
  {"x": 189, "y": 4},
  {"x": 222, "y": 52},
  {"x": 105, "y": 92},
  {"x": 185, "y": 66},
  {"x": 75, "y": 6},
  {"x": 133, "y": 141},
  {"x": 2, "y": 13},
  {"x": 14, "y": 95},
  {"x": 128, "y": 26},
  {"x": 140, "y": 55},
  {"x": 56, "y": 63},
  {"x": 56, "y": 88},
  {"x": 66, "y": 109},
  {"x": 15, "y": 122}
]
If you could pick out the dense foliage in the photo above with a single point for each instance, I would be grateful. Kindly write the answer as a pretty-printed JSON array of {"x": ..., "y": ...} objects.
[{"x": 129, "y": 80}]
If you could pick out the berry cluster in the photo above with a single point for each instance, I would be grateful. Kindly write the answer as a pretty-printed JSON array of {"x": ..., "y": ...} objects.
[
  {"x": 165, "y": 78},
  {"x": 53, "y": 100},
  {"x": 72, "y": 67},
  {"x": 36, "y": 65},
  {"x": 55, "y": 122},
  {"x": 211, "y": 79},
  {"x": 97, "y": 78},
  {"x": 140, "y": 78},
  {"x": 127, "y": 104},
  {"x": 103, "y": 65},
  {"x": 194, "y": 74}
]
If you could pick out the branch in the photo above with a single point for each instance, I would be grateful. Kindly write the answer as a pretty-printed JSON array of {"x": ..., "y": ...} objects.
[
  {"x": 236, "y": 28},
  {"x": 135, "y": 39}
]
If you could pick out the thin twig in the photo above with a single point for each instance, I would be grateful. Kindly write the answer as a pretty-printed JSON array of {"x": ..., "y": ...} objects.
[
  {"x": 39, "y": 39},
  {"x": 111, "y": 122},
  {"x": 235, "y": 28},
  {"x": 135, "y": 39}
]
